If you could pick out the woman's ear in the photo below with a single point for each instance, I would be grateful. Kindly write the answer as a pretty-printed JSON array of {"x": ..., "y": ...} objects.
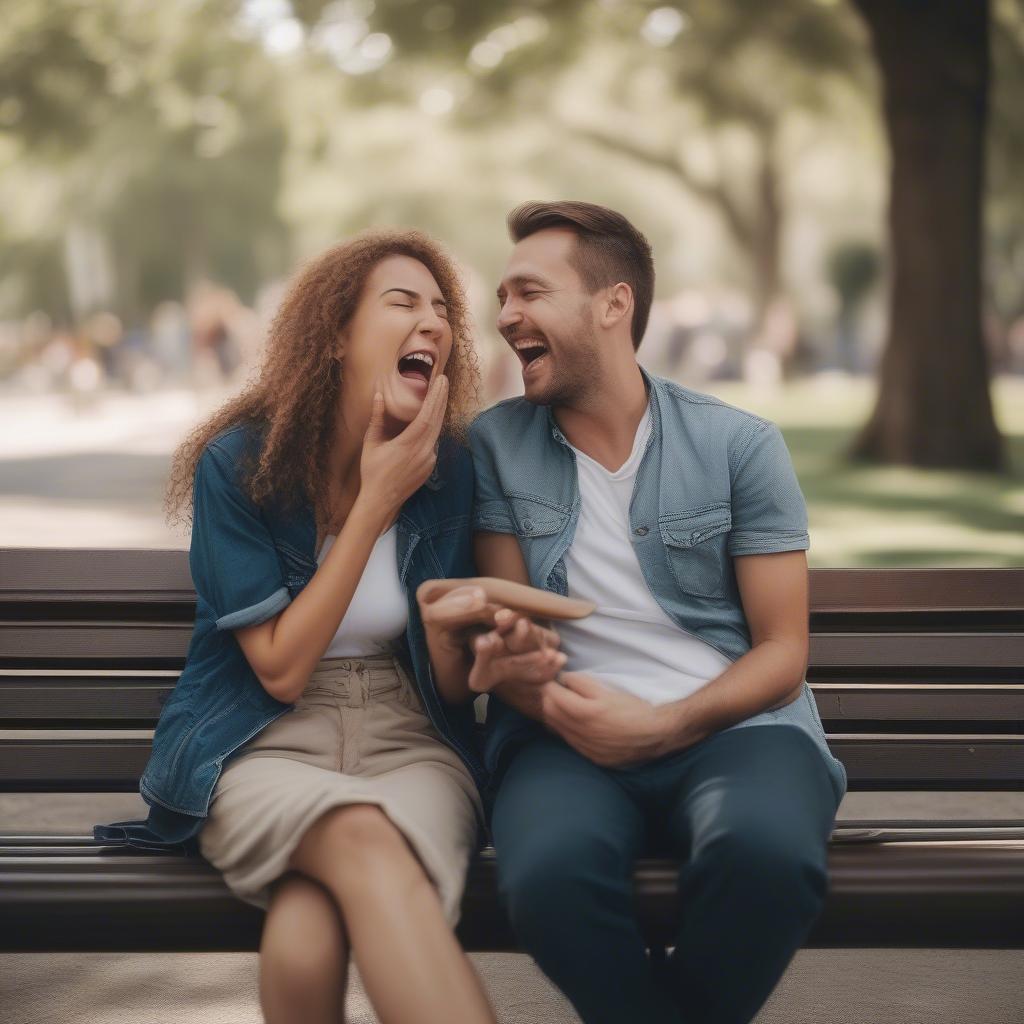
[{"x": 339, "y": 346}]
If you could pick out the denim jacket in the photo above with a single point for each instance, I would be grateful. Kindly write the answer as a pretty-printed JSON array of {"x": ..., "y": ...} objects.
[
  {"x": 247, "y": 565},
  {"x": 714, "y": 482}
]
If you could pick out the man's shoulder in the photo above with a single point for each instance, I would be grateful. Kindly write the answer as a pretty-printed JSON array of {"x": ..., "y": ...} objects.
[
  {"x": 508, "y": 419},
  {"x": 709, "y": 416}
]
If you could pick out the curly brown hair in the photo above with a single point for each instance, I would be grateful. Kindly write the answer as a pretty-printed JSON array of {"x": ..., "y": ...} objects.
[{"x": 294, "y": 395}]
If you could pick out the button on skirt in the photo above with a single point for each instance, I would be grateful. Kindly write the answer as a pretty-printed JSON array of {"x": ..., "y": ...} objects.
[{"x": 358, "y": 735}]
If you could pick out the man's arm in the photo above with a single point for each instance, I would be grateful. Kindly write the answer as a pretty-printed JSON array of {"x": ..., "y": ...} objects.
[
  {"x": 774, "y": 592},
  {"x": 613, "y": 728}
]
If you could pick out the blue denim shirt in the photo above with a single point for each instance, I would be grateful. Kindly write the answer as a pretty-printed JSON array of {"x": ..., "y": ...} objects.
[
  {"x": 714, "y": 482},
  {"x": 247, "y": 565}
]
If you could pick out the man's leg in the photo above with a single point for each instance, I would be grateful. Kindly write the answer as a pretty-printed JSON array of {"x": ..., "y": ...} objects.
[
  {"x": 567, "y": 835},
  {"x": 751, "y": 818}
]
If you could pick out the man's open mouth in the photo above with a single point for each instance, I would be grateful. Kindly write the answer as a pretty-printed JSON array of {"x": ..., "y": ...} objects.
[
  {"x": 416, "y": 366},
  {"x": 529, "y": 350}
]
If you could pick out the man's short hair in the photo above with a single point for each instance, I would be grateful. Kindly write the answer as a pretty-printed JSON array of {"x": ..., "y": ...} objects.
[{"x": 608, "y": 250}]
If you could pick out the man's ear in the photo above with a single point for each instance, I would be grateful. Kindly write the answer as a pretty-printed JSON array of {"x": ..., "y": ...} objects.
[{"x": 618, "y": 304}]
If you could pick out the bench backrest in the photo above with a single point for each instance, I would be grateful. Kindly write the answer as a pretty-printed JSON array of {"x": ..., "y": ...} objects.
[{"x": 918, "y": 673}]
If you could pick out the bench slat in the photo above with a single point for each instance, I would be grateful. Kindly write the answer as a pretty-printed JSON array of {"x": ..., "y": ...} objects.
[
  {"x": 891, "y": 895},
  {"x": 984, "y": 762},
  {"x": 138, "y": 698},
  {"x": 94, "y": 574},
  {"x": 135, "y": 645}
]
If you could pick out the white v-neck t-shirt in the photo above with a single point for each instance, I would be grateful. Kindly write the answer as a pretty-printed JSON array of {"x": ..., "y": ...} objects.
[
  {"x": 378, "y": 613},
  {"x": 629, "y": 642}
]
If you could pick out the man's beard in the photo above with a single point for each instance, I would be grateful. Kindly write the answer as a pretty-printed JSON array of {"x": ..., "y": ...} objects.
[{"x": 569, "y": 377}]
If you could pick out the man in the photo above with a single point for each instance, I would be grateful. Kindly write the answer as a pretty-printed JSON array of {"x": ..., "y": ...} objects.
[{"x": 682, "y": 720}]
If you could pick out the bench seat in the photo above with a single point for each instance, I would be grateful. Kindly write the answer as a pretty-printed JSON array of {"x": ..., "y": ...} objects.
[{"x": 918, "y": 675}]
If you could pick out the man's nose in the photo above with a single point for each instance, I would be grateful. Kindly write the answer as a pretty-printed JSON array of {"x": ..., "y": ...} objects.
[{"x": 508, "y": 314}]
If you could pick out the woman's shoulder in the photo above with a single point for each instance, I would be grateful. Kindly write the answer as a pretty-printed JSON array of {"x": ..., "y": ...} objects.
[
  {"x": 235, "y": 443},
  {"x": 454, "y": 461},
  {"x": 228, "y": 457}
]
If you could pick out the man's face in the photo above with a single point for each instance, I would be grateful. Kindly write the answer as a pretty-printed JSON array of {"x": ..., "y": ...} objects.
[{"x": 546, "y": 316}]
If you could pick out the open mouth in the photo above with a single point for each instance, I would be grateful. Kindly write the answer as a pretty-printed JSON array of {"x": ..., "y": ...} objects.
[
  {"x": 416, "y": 366},
  {"x": 530, "y": 350}
]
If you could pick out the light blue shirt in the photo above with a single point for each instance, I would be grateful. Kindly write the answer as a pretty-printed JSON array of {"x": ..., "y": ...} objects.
[{"x": 714, "y": 483}]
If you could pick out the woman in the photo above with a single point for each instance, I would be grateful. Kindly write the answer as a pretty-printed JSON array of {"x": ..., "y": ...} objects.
[{"x": 318, "y": 745}]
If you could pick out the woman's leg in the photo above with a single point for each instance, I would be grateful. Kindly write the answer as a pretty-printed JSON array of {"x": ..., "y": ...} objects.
[
  {"x": 409, "y": 959},
  {"x": 303, "y": 955}
]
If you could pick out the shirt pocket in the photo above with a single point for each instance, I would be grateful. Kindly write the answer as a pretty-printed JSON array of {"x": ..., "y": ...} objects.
[
  {"x": 535, "y": 517},
  {"x": 695, "y": 545}
]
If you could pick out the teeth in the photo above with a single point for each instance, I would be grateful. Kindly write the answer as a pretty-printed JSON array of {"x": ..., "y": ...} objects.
[
  {"x": 423, "y": 357},
  {"x": 529, "y": 343}
]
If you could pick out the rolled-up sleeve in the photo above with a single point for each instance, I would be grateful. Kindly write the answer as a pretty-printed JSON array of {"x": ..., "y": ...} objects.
[
  {"x": 768, "y": 510},
  {"x": 491, "y": 511},
  {"x": 235, "y": 566}
]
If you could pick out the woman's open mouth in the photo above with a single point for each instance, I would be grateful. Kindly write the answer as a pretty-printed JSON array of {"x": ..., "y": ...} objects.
[{"x": 417, "y": 368}]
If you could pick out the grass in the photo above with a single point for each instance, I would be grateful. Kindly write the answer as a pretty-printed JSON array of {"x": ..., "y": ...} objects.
[{"x": 864, "y": 515}]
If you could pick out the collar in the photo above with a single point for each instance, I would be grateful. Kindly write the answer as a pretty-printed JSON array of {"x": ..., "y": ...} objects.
[{"x": 653, "y": 397}]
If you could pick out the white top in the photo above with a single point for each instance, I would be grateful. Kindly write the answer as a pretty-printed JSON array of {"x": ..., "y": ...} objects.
[
  {"x": 629, "y": 642},
  {"x": 379, "y": 611}
]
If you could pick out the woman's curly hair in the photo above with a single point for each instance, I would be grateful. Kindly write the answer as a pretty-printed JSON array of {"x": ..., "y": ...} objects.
[{"x": 293, "y": 397}]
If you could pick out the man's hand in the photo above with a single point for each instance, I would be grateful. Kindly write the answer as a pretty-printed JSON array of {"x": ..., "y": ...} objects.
[
  {"x": 606, "y": 726},
  {"x": 517, "y": 652}
]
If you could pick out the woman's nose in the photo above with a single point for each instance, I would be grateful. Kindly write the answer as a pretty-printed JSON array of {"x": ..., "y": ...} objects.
[{"x": 433, "y": 324}]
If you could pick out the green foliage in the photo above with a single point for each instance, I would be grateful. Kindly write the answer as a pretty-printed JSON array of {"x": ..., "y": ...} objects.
[{"x": 166, "y": 133}]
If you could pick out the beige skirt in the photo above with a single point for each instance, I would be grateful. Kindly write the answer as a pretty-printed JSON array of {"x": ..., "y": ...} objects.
[{"x": 358, "y": 735}]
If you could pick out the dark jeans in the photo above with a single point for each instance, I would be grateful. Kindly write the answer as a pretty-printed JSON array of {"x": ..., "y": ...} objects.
[{"x": 748, "y": 811}]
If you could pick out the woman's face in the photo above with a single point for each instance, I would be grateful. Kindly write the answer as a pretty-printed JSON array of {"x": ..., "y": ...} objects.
[{"x": 398, "y": 340}]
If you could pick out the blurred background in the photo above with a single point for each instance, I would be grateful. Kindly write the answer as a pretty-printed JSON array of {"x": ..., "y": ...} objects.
[{"x": 833, "y": 190}]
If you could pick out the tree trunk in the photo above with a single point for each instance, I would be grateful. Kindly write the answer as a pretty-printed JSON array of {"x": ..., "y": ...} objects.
[
  {"x": 767, "y": 236},
  {"x": 933, "y": 406}
]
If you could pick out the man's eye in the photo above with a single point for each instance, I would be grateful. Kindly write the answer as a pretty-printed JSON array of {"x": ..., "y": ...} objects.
[{"x": 526, "y": 295}]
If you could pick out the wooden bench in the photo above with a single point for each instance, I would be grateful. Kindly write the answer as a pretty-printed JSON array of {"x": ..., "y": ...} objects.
[{"x": 918, "y": 675}]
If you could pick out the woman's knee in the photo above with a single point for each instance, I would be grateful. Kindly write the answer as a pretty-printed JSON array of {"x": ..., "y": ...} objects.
[
  {"x": 355, "y": 842},
  {"x": 303, "y": 934}
]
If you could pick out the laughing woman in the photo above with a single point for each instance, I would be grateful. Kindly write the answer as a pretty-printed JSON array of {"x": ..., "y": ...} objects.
[{"x": 318, "y": 746}]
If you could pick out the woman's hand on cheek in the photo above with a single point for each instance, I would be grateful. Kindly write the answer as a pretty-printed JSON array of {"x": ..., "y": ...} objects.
[{"x": 392, "y": 469}]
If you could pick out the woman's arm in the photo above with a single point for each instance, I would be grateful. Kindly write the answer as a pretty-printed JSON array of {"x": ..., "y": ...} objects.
[{"x": 284, "y": 650}]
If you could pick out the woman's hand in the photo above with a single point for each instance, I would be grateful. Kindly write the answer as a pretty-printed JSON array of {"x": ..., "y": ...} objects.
[
  {"x": 517, "y": 653},
  {"x": 507, "y": 644},
  {"x": 392, "y": 469}
]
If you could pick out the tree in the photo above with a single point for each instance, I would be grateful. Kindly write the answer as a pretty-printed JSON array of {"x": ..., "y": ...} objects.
[
  {"x": 161, "y": 136},
  {"x": 933, "y": 406},
  {"x": 734, "y": 76}
]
